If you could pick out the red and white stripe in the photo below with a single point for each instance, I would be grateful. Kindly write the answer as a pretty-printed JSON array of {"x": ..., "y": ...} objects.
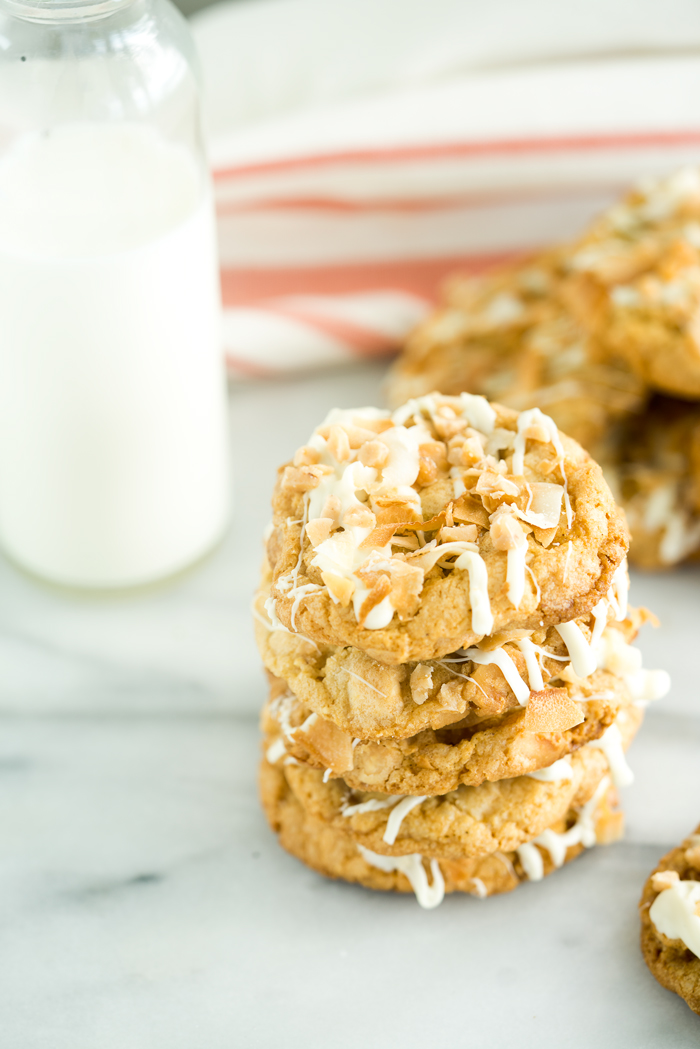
[{"x": 337, "y": 225}]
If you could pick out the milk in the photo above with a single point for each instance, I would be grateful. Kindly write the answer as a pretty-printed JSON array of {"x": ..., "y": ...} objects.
[{"x": 113, "y": 464}]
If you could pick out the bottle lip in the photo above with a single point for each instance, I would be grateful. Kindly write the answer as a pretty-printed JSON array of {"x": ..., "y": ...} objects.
[{"x": 58, "y": 12}]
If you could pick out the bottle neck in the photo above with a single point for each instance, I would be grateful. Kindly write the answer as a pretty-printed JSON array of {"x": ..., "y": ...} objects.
[{"x": 62, "y": 12}]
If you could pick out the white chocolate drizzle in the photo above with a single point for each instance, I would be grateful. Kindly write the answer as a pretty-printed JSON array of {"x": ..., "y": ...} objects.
[
  {"x": 556, "y": 844},
  {"x": 427, "y": 895},
  {"x": 674, "y": 914},
  {"x": 271, "y": 609},
  {"x": 583, "y": 658},
  {"x": 534, "y": 671},
  {"x": 550, "y": 655},
  {"x": 555, "y": 773},
  {"x": 272, "y": 623},
  {"x": 398, "y": 814},
  {"x": 299, "y": 592},
  {"x": 474, "y": 408},
  {"x": 367, "y": 684},
  {"x": 617, "y": 595},
  {"x": 600, "y": 615},
  {"x": 482, "y": 617},
  {"x": 276, "y": 751},
  {"x": 373, "y": 805},
  {"x": 538, "y": 590},
  {"x": 515, "y": 571},
  {"x": 531, "y": 860},
  {"x": 503, "y": 661},
  {"x": 625, "y": 660},
  {"x": 432, "y": 553},
  {"x": 400, "y": 805},
  {"x": 480, "y": 889},
  {"x": 281, "y": 710},
  {"x": 611, "y": 745}
]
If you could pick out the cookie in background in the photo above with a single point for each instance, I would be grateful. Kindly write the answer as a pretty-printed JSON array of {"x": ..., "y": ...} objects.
[
  {"x": 670, "y": 914},
  {"x": 592, "y": 332}
]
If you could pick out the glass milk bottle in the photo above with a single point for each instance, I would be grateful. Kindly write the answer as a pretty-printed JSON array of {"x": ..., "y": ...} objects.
[{"x": 113, "y": 466}]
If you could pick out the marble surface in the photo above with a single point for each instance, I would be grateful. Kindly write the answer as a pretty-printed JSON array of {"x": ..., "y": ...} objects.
[{"x": 145, "y": 905}]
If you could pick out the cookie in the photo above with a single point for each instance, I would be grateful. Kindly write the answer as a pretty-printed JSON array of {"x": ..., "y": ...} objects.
[
  {"x": 510, "y": 336},
  {"x": 470, "y": 821},
  {"x": 411, "y": 535},
  {"x": 333, "y": 853},
  {"x": 670, "y": 914},
  {"x": 635, "y": 282},
  {"x": 372, "y": 700},
  {"x": 656, "y": 478},
  {"x": 556, "y": 722}
]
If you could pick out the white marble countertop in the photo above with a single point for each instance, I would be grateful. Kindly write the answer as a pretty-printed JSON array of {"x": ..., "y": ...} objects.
[{"x": 145, "y": 904}]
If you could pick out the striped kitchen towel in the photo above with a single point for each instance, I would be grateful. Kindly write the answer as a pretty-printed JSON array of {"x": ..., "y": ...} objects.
[{"x": 363, "y": 149}]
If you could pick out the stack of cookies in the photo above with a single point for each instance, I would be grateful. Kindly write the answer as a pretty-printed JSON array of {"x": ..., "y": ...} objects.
[
  {"x": 443, "y": 619},
  {"x": 604, "y": 335}
]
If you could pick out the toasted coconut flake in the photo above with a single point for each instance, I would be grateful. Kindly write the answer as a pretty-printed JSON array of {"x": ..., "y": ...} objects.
[
  {"x": 339, "y": 548},
  {"x": 547, "y": 466},
  {"x": 326, "y": 743},
  {"x": 421, "y": 683},
  {"x": 544, "y": 510},
  {"x": 468, "y": 508},
  {"x": 488, "y": 644},
  {"x": 359, "y": 517},
  {"x": 405, "y": 542},
  {"x": 356, "y": 435},
  {"x": 379, "y": 536},
  {"x": 304, "y": 478},
  {"x": 536, "y": 432},
  {"x": 338, "y": 444},
  {"x": 465, "y": 450},
  {"x": 551, "y": 710},
  {"x": 406, "y": 587},
  {"x": 427, "y": 471},
  {"x": 545, "y": 535},
  {"x": 340, "y": 588},
  {"x": 495, "y": 484},
  {"x": 447, "y": 426},
  {"x": 374, "y": 454},
  {"x": 506, "y": 531},
  {"x": 431, "y": 525},
  {"x": 434, "y": 450},
  {"x": 331, "y": 507},
  {"x": 306, "y": 456},
  {"x": 663, "y": 880},
  {"x": 454, "y": 450},
  {"x": 459, "y": 533},
  {"x": 380, "y": 587},
  {"x": 318, "y": 530},
  {"x": 450, "y": 696},
  {"x": 692, "y": 855}
]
